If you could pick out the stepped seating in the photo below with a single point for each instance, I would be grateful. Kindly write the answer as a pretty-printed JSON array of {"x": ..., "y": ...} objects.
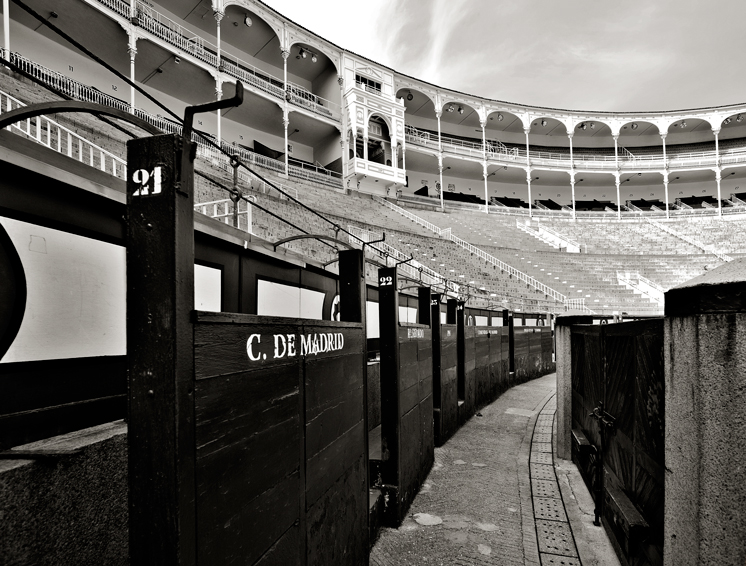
[
  {"x": 622, "y": 238},
  {"x": 727, "y": 235}
]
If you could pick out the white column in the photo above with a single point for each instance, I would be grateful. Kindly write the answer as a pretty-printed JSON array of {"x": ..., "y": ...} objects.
[
  {"x": 528, "y": 173},
  {"x": 132, "y": 50},
  {"x": 403, "y": 155},
  {"x": 285, "y": 111},
  {"x": 572, "y": 174},
  {"x": 717, "y": 171},
  {"x": 484, "y": 169},
  {"x": 218, "y": 17},
  {"x": 618, "y": 196},
  {"x": 616, "y": 176},
  {"x": 285, "y": 124},
  {"x": 665, "y": 172},
  {"x": 365, "y": 146},
  {"x": 6, "y": 30},
  {"x": 440, "y": 160},
  {"x": 572, "y": 187},
  {"x": 345, "y": 140},
  {"x": 486, "y": 192},
  {"x": 442, "y": 188},
  {"x": 218, "y": 96}
]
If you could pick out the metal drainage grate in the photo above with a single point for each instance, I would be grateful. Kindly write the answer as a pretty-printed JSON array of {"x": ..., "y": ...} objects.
[
  {"x": 555, "y": 538},
  {"x": 541, "y": 447},
  {"x": 545, "y": 488},
  {"x": 549, "y": 508},
  {"x": 554, "y": 560},
  {"x": 541, "y": 457},
  {"x": 542, "y": 472}
]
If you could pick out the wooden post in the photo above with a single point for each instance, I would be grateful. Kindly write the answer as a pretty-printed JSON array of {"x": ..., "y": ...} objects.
[
  {"x": 451, "y": 307},
  {"x": 423, "y": 305},
  {"x": 352, "y": 306},
  {"x": 511, "y": 345},
  {"x": 437, "y": 376},
  {"x": 460, "y": 352},
  {"x": 160, "y": 344},
  {"x": 388, "y": 316}
]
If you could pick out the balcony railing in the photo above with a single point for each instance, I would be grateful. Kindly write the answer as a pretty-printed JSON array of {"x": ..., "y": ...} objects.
[
  {"x": 627, "y": 161},
  {"x": 63, "y": 140},
  {"x": 79, "y": 91},
  {"x": 177, "y": 35}
]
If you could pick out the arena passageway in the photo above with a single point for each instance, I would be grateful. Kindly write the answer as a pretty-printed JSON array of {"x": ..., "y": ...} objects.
[{"x": 497, "y": 495}]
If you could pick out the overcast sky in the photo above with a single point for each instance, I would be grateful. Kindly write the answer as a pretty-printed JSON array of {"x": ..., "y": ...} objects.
[{"x": 625, "y": 55}]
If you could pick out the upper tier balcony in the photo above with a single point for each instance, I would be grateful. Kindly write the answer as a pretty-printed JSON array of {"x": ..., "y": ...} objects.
[
  {"x": 500, "y": 154},
  {"x": 360, "y": 169},
  {"x": 187, "y": 42}
]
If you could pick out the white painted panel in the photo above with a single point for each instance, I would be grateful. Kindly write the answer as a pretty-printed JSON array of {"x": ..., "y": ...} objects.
[
  {"x": 481, "y": 321},
  {"x": 76, "y": 295},
  {"x": 407, "y": 314},
  {"x": 373, "y": 327},
  {"x": 443, "y": 318},
  {"x": 207, "y": 288},
  {"x": 276, "y": 299},
  {"x": 311, "y": 304}
]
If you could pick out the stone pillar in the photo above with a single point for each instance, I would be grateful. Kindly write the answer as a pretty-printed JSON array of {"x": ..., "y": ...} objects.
[
  {"x": 665, "y": 191},
  {"x": 572, "y": 174},
  {"x": 564, "y": 379},
  {"x": 705, "y": 401},
  {"x": 718, "y": 178}
]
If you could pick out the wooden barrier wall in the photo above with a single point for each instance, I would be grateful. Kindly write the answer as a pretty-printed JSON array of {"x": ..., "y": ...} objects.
[
  {"x": 617, "y": 405},
  {"x": 416, "y": 412},
  {"x": 446, "y": 396},
  {"x": 280, "y": 441},
  {"x": 533, "y": 352}
]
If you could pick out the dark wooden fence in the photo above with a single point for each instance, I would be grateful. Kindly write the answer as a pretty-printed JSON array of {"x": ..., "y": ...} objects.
[
  {"x": 533, "y": 352},
  {"x": 618, "y": 425},
  {"x": 280, "y": 441}
]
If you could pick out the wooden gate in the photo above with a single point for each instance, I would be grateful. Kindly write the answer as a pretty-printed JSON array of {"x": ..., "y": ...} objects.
[{"x": 618, "y": 429}]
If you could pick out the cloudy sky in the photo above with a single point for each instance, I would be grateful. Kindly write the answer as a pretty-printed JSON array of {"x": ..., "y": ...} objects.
[{"x": 579, "y": 54}]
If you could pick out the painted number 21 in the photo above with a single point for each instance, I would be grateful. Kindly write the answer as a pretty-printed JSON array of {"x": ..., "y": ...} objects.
[{"x": 149, "y": 182}]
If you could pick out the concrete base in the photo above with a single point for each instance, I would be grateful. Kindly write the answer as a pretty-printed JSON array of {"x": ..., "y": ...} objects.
[
  {"x": 594, "y": 547},
  {"x": 70, "y": 509}
]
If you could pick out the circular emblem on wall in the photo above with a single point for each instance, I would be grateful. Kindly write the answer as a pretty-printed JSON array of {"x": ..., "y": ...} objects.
[{"x": 12, "y": 292}]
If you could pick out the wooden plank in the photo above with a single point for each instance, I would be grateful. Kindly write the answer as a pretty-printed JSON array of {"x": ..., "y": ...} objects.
[
  {"x": 338, "y": 416},
  {"x": 266, "y": 517},
  {"x": 222, "y": 349},
  {"x": 329, "y": 378},
  {"x": 324, "y": 468},
  {"x": 285, "y": 550},
  {"x": 337, "y": 525}
]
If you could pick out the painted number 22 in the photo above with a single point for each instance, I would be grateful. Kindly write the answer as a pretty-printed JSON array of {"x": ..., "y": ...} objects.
[
  {"x": 149, "y": 182},
  {"x": 385, "y": 281}
]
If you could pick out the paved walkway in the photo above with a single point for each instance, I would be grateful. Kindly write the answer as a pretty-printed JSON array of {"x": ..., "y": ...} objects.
[{"x": 492, "y": 489}]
